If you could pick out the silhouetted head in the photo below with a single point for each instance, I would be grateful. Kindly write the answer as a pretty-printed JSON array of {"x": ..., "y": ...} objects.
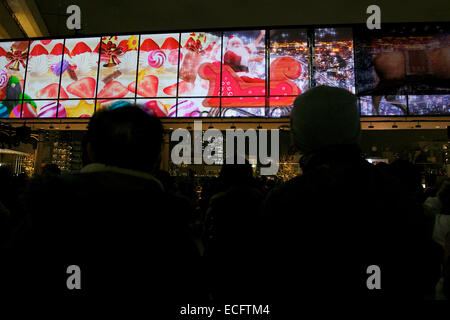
[
  {"x": 383, "y": 166},
  {"x": 165, "y": 178},
  {"x": 324, "y": 117},
  {"x": 51, "y": 169},
  {"x": 125, "y": 137},
  {"x": 236, "y": 174},
  {"x": 408, "y": 174}
]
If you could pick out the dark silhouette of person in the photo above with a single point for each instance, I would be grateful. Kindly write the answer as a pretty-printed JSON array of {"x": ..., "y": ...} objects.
[
  {"x": 409, "y": 176},
  {"x": 115, "y": 221},
  {"x": 437, "y": 251},
  {"x": 13, "y": 219},
  {"x": 232, "y": 235},
  {"x": 50, "y": 169},
  {"x": 327, "y": 226},
  {"x": 446, "y": 268}
]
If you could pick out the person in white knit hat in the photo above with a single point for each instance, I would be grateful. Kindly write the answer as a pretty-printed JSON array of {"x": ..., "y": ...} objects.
[{"x": 327, "y": 226}]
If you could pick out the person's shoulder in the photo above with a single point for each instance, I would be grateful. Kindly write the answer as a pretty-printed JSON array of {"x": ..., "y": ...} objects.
[
  {"x": 109, "y": 179},
  {"x": 295, "y": 185},
  {"x": 217, "y": 198},
  {"x": 283, "y": 195}
]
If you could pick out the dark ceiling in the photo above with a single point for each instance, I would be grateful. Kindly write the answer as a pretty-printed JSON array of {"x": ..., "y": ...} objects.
[{"x": 152, "y": 15}]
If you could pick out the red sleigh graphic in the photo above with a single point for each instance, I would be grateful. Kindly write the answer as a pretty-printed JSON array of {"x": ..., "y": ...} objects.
[{"x": 247, "y": 92}]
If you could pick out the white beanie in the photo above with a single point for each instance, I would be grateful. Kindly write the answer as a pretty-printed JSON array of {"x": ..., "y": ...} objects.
[{"x": 324, "y": 116}]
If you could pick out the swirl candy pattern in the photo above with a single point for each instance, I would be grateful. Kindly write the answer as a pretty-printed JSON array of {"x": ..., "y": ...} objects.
[
  {"x": 3, "y": 79},
  {"x": 156, "y": 59},
  {"x": 187, "y": 108},
  {"x": 51, "y": 111}
]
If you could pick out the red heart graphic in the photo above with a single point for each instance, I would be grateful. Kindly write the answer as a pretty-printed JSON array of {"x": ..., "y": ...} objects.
[
  {"x": 113, "y": 89},
  {"x": 148, "y": 87},
  {"x": 51, "y": 92},
  {"x": 183, "y": 88},
  {"x": 83, "y": 88}
]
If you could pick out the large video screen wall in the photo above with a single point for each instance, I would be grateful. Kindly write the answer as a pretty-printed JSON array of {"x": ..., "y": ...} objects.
[{"x": 245, "y": 73}]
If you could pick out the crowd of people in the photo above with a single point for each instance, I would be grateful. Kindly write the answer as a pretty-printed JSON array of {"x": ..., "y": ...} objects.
[{"x": 138, "y": 233}]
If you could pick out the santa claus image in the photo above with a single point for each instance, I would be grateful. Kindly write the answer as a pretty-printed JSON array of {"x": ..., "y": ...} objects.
[{"x": 238, "y": 56}]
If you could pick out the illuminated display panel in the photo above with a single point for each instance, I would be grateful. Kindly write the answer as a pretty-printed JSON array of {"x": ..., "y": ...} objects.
[
  {"x": 113, "y": 103},
  {"x": 79, "y": 81},
  {"x": 250, "y": 73},
  {"x": 78, "y": 108},
  {"x": 45, "y": 66},
  {"x": 289, "y": 61},
  {"x": 118, "y": 66},
  {"x": 429, "y": 105},
  {"x": 162, "y": 108},
  {"x": 288, "y": 69},
  {"x": 158, "y": 65},
  {"x": 47, "y": 109},
  {"x": 199, "y": 50},
  {"x": 280, "y": 107},
  {"x": 242, "y": 111},
  {"x": 194, "y": 107},
  {"x": 334, "y": 58},
  {"x": 402, "y": 59},
  {"x": 242, "y": 82},
  {"x": 243, "y": 64},
  {"x": 390, "y": 105},
  {"x": 13, "y": 61}
]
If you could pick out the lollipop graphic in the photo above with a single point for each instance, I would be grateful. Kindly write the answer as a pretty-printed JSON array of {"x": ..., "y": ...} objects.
[
  {"x": 156, "y": 58},
  {"x": 3, "y": 78}
]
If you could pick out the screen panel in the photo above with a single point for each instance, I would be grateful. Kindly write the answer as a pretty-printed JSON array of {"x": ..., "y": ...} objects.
[
  {"x": 161, "y": 108},
  {"x": 78, "y": 108},
  {"x": 38, "y": 109},
  {"x": 429, "y": 105},
  {"x": 5, "y": 108},
  {"x": 11, "y": 109},
  {"x": 289, "y": 61},
  {"x": 196, "y": 108},
  {"x": 389, "y": 105},
  {"x": 200, "y": 64},
  {"x": 158, "y": 65},
  {"x": 232, "y": 108},
  {"x": 243, "y": 64},
  {"x": 280, "y": 106},
  {"x": 45, "y": 66},
  {"x": 79, "y": 81},
  {"x": 334, "y": 58},
  {"x": 13, "y": 61},
  {"x": 403, "y": 59},
  {"x": 48, "y": 109},
  {"x": 113, "y": 103},
  {"x": 118, "y": 66}
]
